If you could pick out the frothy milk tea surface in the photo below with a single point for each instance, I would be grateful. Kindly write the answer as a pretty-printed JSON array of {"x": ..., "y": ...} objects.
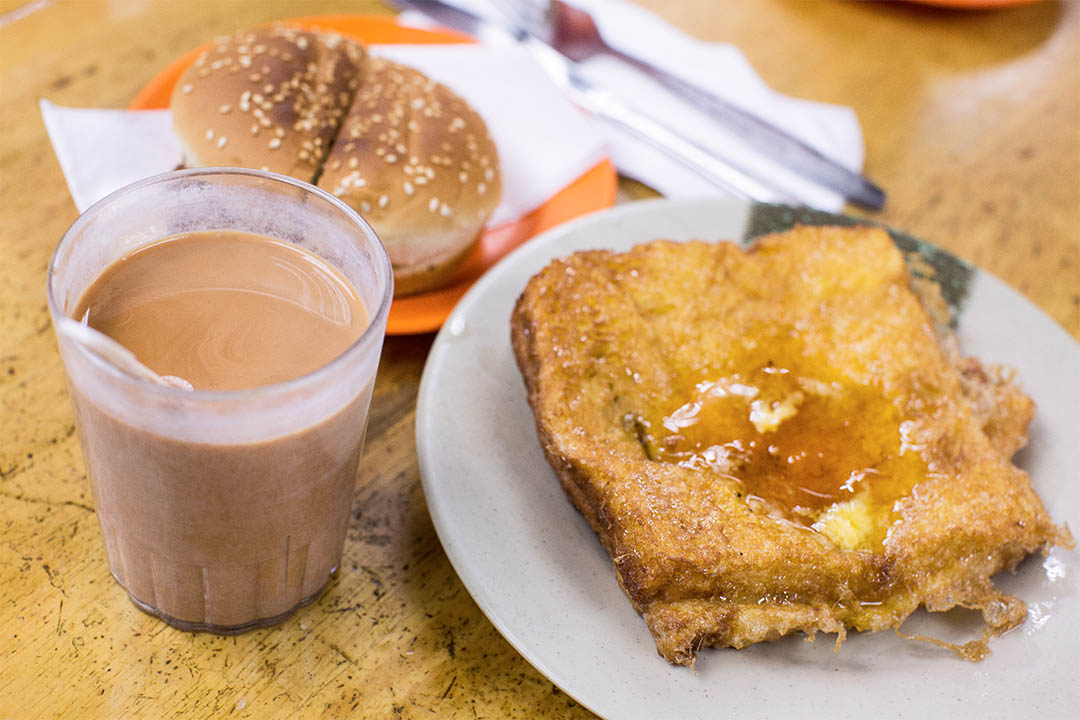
[{"x": 226, "y": 310}]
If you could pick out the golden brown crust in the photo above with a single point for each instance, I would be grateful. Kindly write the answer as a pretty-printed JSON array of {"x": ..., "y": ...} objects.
[
  {"x": 603, "y": 339},
  {"x": 270, "y": 98},
  {"x": 1001, "y": 408},
  {"x": 419, "y": 164}
]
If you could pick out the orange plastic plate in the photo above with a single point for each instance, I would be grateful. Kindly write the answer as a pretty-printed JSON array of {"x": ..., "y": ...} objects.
[{"x": 426, "y": 312}]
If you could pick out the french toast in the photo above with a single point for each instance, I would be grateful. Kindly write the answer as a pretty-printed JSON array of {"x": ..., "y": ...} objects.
[{"x": 776, "y": 439}]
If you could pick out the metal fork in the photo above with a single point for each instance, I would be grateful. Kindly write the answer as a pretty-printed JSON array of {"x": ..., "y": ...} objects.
[
  {"x": 574, "y": 33},
  {"x": 597, "y": 101}
]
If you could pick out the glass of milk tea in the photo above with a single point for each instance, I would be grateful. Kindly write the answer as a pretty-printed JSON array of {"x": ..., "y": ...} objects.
[{"x": 220, "y": 330}]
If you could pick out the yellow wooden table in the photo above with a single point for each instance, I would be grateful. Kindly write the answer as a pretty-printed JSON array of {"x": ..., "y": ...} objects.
[{"x": 972, "y": 123}]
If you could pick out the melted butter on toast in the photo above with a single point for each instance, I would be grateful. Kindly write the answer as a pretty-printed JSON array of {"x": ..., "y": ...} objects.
[{"x": 801, "y": 440}]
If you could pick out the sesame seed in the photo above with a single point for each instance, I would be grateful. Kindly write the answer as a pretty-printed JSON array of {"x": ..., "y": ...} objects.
[
  {"x": 445, "y": 210},
  {"x": 391, "y": 158},
  {"x": 408, "y": 188},
  {"x": 225, "y": 109},
  {"x": 481, "y": 188},
  {"x": 255, "y": 129},
  {"x": 187, "y": 89},
  {"x": 280, "y": 132},
  {"x": 209, "y": 134},
  {"x": 221, "y": 141},
  {"x": 268, "y": 88},
  {"x": 265, "y": 168},
  {"x": 365, "y": 206},
  {"x": 339, "y": 190},
  {"x": 489, "y": 174},
  {"x": 384, "y": 200},
  {"x": 463, "y": 177},
  {"x": 353, "y": 162},
  {"x": 274, "y": 143},
  {"x": 265, "y": 121},
  {"x": 433, "y": 204}
]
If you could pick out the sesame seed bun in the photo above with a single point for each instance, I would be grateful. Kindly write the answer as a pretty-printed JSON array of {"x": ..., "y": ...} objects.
[
  {"x": 270, "y": 98},
  {"x": 417, "y": 162}
]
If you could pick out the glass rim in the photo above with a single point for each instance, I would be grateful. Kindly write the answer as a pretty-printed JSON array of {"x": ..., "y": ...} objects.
[{"x": 366, "y": 339}]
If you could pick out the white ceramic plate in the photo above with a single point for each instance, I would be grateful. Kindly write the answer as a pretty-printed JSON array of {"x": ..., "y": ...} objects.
[{"x": 538, "y": 572}]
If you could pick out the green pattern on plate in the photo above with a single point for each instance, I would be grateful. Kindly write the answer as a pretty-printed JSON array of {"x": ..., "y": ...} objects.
[{"x": 952, "y": 275}]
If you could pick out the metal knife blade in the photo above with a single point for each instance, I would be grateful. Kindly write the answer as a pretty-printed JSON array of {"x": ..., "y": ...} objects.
[{"x": 770, "y": 140}]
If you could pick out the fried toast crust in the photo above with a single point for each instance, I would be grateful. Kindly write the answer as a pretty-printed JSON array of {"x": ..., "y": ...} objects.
[{"x": 618, "y": 349}]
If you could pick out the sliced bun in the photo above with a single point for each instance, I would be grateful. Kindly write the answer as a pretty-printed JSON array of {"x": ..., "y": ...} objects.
[
  {"x": 417, "y": 162},
  {"x": 411, "y": 156},
  {"x": 271, "y": 98}
]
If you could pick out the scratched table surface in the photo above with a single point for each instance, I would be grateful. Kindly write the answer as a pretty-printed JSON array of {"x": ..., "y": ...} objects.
[{"x": 972, "y": 123}]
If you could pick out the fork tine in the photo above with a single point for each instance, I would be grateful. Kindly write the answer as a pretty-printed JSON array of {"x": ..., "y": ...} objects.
[{"x": 532, "y": 15}]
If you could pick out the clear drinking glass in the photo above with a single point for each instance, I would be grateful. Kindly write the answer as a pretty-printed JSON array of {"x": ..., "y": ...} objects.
[{"x": 222, "y": 510}]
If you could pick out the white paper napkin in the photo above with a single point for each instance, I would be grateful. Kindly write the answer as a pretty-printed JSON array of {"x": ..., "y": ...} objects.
[
  {"x": 103, "y": 150},
  {"x": 544, "y": 142},
  {"x": 719, "y": 67}
]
